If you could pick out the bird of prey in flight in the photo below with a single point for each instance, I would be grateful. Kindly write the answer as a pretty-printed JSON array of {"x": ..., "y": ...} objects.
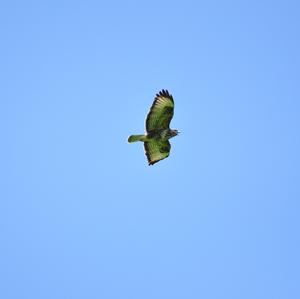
[{"x": 158, "y": 132}]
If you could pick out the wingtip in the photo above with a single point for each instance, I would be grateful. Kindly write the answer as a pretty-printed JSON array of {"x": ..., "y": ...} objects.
[
  {"x": 164, "y": 93},
  {"x": 153, "y": 162}
]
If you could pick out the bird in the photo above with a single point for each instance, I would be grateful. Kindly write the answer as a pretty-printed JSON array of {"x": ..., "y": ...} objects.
[{"x": 156, "y": 138}]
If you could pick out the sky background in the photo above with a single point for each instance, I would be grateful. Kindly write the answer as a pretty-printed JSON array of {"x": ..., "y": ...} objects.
[{"x": 82, "y": 215}]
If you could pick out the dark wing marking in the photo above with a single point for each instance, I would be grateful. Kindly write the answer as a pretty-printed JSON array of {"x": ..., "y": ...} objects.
[
  {"x": 156, "y": 150},
  {"x": 161, "y": 112}
]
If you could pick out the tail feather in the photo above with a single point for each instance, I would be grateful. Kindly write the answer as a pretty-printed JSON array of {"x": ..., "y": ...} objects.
[{"x": 134, "y": 138}]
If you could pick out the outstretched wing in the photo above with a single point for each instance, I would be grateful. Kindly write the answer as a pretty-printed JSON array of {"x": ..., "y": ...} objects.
[
  {"x": 161, "y": 112},
  {"x": 156, "y": 150}
]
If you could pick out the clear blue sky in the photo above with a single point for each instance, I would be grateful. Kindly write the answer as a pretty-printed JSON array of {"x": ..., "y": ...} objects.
[{"x": 82, "y": 215}]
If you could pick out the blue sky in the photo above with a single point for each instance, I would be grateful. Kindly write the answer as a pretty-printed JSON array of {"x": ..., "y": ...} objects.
[{"x": 82, "y": 215}]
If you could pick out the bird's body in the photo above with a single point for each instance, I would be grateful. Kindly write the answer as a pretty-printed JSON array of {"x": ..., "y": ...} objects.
[{"x": 158, "y": 132}]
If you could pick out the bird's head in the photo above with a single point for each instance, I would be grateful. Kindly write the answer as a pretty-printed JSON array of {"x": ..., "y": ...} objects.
[{"x": 174, "y": 132}]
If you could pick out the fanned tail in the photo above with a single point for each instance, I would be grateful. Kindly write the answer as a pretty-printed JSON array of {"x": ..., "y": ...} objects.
[{"x": 134, "y": 138}]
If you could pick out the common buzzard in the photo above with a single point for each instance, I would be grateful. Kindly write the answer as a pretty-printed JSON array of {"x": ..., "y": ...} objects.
[{"x": 158, "y": 132}]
